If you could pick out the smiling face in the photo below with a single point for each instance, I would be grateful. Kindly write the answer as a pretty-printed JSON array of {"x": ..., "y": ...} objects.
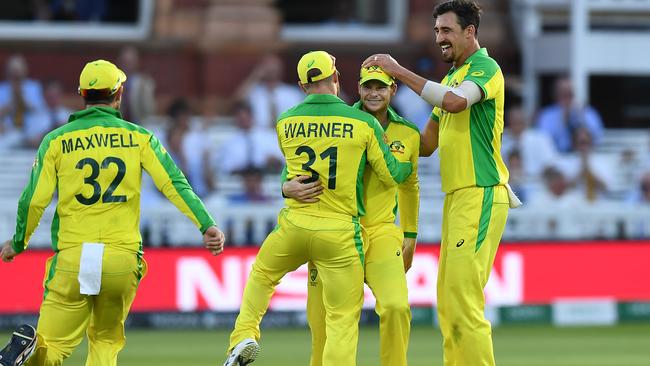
[
  {"x": 375, "y": 95},
  {"x": 452, "y": 39}
]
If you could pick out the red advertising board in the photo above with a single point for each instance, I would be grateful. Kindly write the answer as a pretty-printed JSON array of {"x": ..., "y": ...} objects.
[{"x": 530, "y": 273}]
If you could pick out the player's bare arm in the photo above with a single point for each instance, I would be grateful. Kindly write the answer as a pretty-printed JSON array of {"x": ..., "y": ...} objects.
[
  {"x": 296, "y": 188},
  {"x": 429, "y": 138}
]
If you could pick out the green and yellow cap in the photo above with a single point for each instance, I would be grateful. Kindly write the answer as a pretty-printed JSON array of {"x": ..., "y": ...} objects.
[
  {"x": 101, "y": 75},
  {"x": 322, "y": 63},
  {"x": 375, "y": 73}
]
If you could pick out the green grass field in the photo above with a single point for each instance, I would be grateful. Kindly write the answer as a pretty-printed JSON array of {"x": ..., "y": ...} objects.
[{"x": 625, "y": 345}]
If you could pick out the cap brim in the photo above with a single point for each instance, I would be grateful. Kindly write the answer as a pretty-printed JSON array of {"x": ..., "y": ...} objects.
[{"x": 368, "y": 78}]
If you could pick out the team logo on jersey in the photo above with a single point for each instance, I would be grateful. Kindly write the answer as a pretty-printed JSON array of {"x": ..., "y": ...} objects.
[
  {"x": 478, "y": 73},
  {"x": 313, "y": 275},
  {"x": 397, "y": 146}
]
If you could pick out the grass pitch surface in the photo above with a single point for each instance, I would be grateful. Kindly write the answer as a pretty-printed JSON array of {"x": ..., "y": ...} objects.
[{"x": 623, "y": 345}]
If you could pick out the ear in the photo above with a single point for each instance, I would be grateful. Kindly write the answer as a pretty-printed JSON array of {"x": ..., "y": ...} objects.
[
  {"x": 118, "y": 95},
  {"x": 393, "y": 89},
  {"x": 302, "y": 87},
  {"x": 471, "y": 31}
]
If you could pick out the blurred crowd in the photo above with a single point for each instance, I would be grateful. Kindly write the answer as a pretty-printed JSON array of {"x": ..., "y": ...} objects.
[{"x": 554, "y": 157}]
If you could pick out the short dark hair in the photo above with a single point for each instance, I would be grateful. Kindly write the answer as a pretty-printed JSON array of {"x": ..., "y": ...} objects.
[
  {"x": 468, "y": 12},
  {"x": 98, "y": 96},
  {"x": 178, "y": 107}
]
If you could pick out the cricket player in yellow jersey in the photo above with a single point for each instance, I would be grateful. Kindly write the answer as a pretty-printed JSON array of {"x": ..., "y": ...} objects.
[
  {"x": 94, "y": 163},
  {"x": 466, "y": 124},
  {"x": 332, "y": 142},
  {"x": 390, "y": 249}
]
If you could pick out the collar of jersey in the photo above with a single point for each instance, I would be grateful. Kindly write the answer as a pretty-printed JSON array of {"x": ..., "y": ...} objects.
[
  {"x": 323, "y": 99},
  {"x": 481, "y": 52},
  {"x": 94, "y": 111}
]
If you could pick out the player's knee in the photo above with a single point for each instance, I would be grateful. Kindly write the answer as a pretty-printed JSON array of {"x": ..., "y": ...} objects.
[{"x": 395, "y": 309}]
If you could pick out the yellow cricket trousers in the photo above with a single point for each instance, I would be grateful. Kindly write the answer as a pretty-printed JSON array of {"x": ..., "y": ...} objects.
[
  {"x": 66, "y": 315},
  {"x": 335, "y": 247},
  {"x": 386, "y": 278},
  {"x": 472, "y": 224}
]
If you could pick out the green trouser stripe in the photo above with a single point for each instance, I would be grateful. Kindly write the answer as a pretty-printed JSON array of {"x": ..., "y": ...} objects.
[
  {"x": 358, "y": 243},
  {"x": 55, "y": 231},
  {"x": 50, "y": 275},
  {"x": 486, "y": 212},
  {"x": 140, "y": 269}
]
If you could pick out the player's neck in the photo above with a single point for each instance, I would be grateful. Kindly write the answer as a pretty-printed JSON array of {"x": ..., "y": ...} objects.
[
  {"x": 468, "y": 52},
  {"x": 382, "y": 117}
]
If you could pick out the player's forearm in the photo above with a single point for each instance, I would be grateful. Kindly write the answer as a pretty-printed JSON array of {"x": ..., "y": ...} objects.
[
  {"x": 409, "y": 206},
  {"x": 411, "y": 79},
  {"x": 429, "y": 138}
]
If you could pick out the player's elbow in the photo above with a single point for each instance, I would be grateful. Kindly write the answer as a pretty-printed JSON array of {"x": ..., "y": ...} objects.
[
  {"x": 426, "y": 150},
  {"x": 454, "y": 105}
]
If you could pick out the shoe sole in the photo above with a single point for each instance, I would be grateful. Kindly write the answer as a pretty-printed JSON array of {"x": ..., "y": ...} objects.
[
  {"x": 24, "y": 337},
  {"x": 247, "y": 354}
]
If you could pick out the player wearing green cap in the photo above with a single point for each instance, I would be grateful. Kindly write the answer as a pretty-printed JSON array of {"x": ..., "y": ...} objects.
[
  {"x": 390, "y": 248},
  {"x": 94, "y": 163},
  {"x": 329, "y": 141}
]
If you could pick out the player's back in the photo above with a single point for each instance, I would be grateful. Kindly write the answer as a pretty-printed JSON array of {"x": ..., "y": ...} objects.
[
  {"x": 331, "y": 141},
  {"x": 98, "y": 159}
]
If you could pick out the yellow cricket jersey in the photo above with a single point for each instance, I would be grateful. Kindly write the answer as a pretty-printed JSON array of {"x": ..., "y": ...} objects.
[
  {"x": 94, "y": 163},
  {"x": 381, "y": 200},
  {"x": 469, "y": 142},
  {"x": 331, "y": 141}
]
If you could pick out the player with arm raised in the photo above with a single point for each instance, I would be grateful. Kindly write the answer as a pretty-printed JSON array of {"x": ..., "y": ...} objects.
[
  {"x": 466, "y": 126},
  {"x": 329, "y": 141},
  {"x": 94, "y": 163}
]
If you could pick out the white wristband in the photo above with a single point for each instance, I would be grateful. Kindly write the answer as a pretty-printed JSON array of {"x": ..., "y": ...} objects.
[{"x": 434, "y": 93}]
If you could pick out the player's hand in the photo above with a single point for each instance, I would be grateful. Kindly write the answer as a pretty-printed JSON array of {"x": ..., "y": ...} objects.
[
  {"x": 8, "y": 253},
  {"x": 385, "y": 61},
  {"x": 214, "y": 240},
  {"x": 303, "y": 192},
  {"x": 408, "y": 249}
]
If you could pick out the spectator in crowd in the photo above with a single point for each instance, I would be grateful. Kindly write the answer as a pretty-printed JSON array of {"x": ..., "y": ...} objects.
[
  {"x": 138, "y": 101},
  {"x": 517, "y": 178},
  {"x": 249, "y": 146},
  {"x": 535, "y": 148},
  {"x": 55, "y": 110},
  {"x": 22, "y": 107},
  {"x": 557, "y": 192},
  {"x": 556, "y": 196},
  {"x": 266, "y": 93},
  {"x": 189, "y": 148},
  {"x": 641, "y": 195},
  {"x": 589, "y": 174},
  {"x": 251, "y": 193},
  {"x": 561, "y": 119}
]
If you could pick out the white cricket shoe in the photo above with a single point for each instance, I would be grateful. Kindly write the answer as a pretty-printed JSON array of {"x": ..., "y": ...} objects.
[{"x": 245, "y": 352}]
